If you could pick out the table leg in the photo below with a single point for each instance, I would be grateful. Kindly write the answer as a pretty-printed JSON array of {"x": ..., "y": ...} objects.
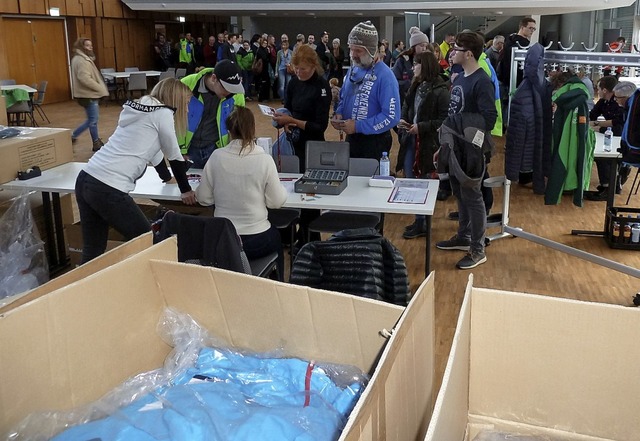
[
  {"x": 427, "y": 253},
  {"x": 48, "y": 223},
  {"x": 56, "y": 245}
]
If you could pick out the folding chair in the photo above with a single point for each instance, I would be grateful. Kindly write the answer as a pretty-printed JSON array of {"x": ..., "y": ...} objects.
[
  {"x": 137, "y": 81},
  {"x": 39, "y": 100}
]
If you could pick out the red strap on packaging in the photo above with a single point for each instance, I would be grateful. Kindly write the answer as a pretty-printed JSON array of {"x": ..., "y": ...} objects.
[{"x": 307, "y": 383}]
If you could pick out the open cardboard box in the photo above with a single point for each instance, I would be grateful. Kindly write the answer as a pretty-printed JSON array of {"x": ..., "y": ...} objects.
[
  {"x": 71, "y": 346},
  {"x": 529, "y": 364}
]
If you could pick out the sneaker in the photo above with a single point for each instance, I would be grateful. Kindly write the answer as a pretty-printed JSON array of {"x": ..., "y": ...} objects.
[
  {"x": 454, "y": 243},
  {"x": 471, "y": 260},
  {"x": 597, "y": 195},
  {"x": 418, "y": 229},
  {"x": 410, "y": 227}
]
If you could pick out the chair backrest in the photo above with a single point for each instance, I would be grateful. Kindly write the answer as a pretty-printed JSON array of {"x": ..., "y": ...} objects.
[
  {"x": 363, "y": 166},
  {"x": 172, "y": 70},
  {"x": 20, "y": 107},
  {"x": 109, "y": 81},
  {"x": 289, "y": 164},
  {"x": 107, "y": 69},
  {"x": 181, "y": 72},
  {"x": 42, "y": 88},
  {"x": 131, "y": 69},
  {"x": 165, "y": 75},
  {"x": 7, "y": 82},
  {"x": 137, "y": 81}
]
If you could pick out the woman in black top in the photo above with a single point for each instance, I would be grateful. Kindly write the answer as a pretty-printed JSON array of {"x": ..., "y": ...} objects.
[{"x": 308, "y": 98}]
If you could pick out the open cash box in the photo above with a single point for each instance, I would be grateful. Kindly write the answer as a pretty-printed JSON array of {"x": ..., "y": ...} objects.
[{"x": 326, "y": 168}]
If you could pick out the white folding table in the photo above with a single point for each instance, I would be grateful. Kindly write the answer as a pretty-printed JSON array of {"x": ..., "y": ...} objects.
[{"x": 358, "y": 196}]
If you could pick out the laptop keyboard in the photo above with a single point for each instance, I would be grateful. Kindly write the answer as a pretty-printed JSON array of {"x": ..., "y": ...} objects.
[{"x": 325, "y": 175}]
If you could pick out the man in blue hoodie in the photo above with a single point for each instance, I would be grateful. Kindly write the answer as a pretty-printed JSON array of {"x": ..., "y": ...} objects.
[{"x": 369, "y": 104}]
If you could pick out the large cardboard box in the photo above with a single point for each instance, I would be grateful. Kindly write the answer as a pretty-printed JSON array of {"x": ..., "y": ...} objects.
[
  {"x": 115, "y": 255},
  {"x": 523, "y": 363},
  {"x": 77, "y": 343},
  {"x": 43, "y": 147}
]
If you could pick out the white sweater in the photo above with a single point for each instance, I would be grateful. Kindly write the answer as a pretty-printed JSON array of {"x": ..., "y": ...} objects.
[
  {"x": 242, "y": 187},
  {"x": 145, "y": 134}
]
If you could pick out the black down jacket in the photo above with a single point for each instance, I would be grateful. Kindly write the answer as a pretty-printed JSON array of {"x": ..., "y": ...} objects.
[
  {"x": 358, "y": 261},
  {"x": 528, "y": 144}
]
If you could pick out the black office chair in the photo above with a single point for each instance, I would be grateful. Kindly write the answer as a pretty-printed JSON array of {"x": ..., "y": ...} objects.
[
  {"x": 213, "y": 241},
  {"x": 333, "y": 221},
  {"x": 287, "y": 218}
]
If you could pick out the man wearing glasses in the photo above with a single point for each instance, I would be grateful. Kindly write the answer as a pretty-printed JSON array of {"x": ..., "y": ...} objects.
[
  {"x": 369, "y": 105},
  {"x": 471, "y": 106}
]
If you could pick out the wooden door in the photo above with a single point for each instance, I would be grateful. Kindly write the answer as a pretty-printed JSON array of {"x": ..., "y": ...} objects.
[
  {"x": 37, "y": 51},
  {"x": 50, "y": 50}
]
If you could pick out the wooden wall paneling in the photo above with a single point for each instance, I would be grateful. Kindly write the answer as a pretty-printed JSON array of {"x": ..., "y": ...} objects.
[
  {"x": 60, "y": 4},
  {"x": 33, "y": 7},
  {"x": 9, "y": 6},
  {"x": 88, "y": 8},
  {"x": 73, "y": 8},
  {"x": 51, "y": 58},
  {"x": 110, "y": 8},
  {"x": 4, "y": 58},
  {"x": 143, "y": 35},
  {"x": 107, "y": 55},
  {"x": 19, "y": 46}
]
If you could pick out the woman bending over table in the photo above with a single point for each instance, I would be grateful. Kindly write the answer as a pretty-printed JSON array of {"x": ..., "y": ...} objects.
[
  {"x": 242, "y": 181},
  {"x": 145, "y": 134}
]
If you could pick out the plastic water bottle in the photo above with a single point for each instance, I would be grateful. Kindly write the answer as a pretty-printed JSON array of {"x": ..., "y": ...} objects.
[
  {"x": 607, "y": 139},
  {"x": 385, "y": 165}
]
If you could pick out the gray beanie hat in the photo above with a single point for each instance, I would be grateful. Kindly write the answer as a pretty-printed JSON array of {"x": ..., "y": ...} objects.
[
  {"x": 416, "y": 36},
  {"x": 364, "y": 34}
]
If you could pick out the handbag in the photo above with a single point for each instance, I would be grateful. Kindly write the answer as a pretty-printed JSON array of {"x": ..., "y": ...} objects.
[{"x": 257, "y": 66}]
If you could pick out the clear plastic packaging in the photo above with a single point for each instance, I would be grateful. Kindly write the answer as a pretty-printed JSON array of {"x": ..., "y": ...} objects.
[
  {"x": 206, "y": 391},
  {"x": 23, "y": 261},
  {"x": 495, "y": 435}
]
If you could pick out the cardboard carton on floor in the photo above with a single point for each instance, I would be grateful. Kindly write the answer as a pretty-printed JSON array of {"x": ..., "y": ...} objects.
[
  {"x": 79, "y": 342},
  {"x": 529, "y": 364},
  {"x": 43, "y": 147},
  {"x": 115, "y": 255}
]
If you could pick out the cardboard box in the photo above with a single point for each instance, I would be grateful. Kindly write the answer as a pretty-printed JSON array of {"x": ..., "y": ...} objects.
[
  {"x": 534, "y": 364},
  {"x": 43, "y": 147},
  {"x": 3, "y": 111},
  {"x": 109, "y": 258},
  {"x": 79, "y": 342}
]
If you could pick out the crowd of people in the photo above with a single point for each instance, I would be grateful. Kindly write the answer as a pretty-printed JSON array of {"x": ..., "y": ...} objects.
[{"x": 444, "y": 102}]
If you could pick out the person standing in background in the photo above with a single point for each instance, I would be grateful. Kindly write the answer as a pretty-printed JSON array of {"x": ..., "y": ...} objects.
[
  {"x": 369, "y": 100},
  {"x": 88, "y": 88},
  {"x": 185, "y": 57},
  {"x": 495, "y": 51},
  {"x": 209, "y": 52}
]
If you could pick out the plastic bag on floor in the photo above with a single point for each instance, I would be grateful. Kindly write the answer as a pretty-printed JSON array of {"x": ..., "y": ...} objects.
[{"x": 23, "y": 261}]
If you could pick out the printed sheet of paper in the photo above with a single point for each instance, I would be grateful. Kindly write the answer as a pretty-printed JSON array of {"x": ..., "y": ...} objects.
[
  {"x": 409, "y": 191},
  {"x": 266, "y": 110}
]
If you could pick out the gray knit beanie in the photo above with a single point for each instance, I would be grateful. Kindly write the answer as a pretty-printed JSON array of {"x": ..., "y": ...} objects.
[
  {"x": 364, "y": 34},
  {"x": 416, "y": 36}
]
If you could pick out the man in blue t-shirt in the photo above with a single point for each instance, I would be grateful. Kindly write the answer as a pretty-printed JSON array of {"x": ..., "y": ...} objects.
[{"x": 472, "y": 92}]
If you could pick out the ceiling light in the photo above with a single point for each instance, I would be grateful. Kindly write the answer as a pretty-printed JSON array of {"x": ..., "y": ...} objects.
[
  {"x": 54, "y": 12},
  {"x": 181, "y": 19}
]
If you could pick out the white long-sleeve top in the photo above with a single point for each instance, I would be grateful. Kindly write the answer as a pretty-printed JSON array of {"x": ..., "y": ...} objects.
[
  {"x": 242, "y": 187},
  {"x": 145, "y": 134}
]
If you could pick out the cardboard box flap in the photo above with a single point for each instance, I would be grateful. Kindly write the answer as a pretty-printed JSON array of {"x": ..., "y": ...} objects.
[
  {"x": 450, "y": 413},
  {"x": 263, "y": 315},
  {"x": 394, "y": 407},
  {"x": 555, "y": 362}
]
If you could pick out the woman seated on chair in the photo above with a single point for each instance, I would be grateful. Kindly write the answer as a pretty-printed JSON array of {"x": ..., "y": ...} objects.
[
  {"x": 242, "y": 181},
  {"x": 146, "y": 133}
]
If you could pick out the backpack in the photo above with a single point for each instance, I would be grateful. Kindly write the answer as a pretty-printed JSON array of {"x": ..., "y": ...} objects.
[
  {"x": 630, "y": 143},
  {"x": 257, "y": 66}
]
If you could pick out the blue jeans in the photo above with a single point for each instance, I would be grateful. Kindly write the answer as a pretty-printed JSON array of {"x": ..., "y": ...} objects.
[
  {"x": 262, "y": 244},
  {"x": 472, "y": 215},
  {"x": 247, "y": 79},
  {"x": 283, "y": 81},
  {"x": 200, "y": 156},
  {"x": 101, "y": 206},
  {"x": 92, "y": 109}
]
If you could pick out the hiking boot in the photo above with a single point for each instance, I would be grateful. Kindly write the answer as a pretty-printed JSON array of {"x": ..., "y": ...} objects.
[
  {"x": 418, "y": 229},
  {"x": 455, "y": 243},
  {"x": 597, "y": 195},
  {"x": 471, "y": 260},
  {"x": 97, "y": 145},
  {"x": 411, "y": 226}
]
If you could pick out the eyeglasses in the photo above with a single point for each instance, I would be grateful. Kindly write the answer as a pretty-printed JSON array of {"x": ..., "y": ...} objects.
[
  {"x": 532, "y": 29},
  {"x": 459, "y": 48},
  {"x": 619, "y": 97}
]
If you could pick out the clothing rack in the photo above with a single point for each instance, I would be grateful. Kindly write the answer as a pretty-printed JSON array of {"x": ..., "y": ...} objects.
[{"x": 565, "y": 60}]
